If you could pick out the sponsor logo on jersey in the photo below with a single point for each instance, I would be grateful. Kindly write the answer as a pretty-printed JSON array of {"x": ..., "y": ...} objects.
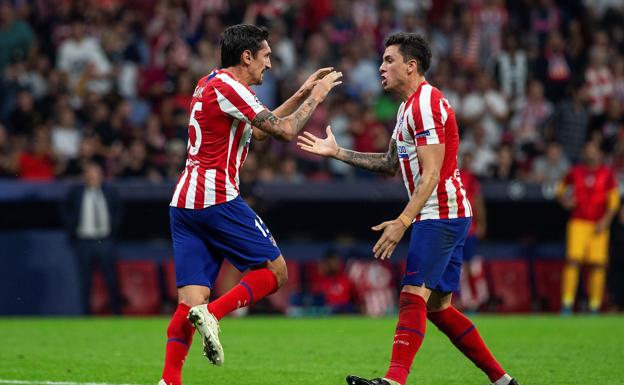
[
  {"x": 423, "y": 134},
  {"x": 402, "y": 151}
]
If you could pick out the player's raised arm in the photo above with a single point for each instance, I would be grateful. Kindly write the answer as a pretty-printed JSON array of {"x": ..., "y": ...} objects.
[
  {"x": 385, "y": 163},
  {"x": 288, "y": 127},
  {"x": 292, "y": 103}
]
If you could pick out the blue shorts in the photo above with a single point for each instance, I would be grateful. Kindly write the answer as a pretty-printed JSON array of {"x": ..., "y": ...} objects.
[
  {"x": 435, "y": 253},
  {"x": 470, "y": 247},
  {"x": 203, "y": 238}
]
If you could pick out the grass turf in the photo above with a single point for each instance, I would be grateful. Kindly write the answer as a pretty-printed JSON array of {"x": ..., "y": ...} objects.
[{"x": 281, "y": 351}]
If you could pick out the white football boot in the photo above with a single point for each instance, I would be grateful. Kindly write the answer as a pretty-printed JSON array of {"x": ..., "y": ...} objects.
[{"x": 208, "y": 326}]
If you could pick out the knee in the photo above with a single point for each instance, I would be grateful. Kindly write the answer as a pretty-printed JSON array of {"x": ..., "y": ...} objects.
[{"x": 193, "y": 295}]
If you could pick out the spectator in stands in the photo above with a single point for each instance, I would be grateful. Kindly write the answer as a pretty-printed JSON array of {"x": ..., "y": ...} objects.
[
  {"x": 134, "y": 163},
  {"x": 512, "y": 69},
  {"x": 530, "y": 121},
  {"x": 486, "y": 106},
  {"x": 37, "y": 162},
  {"x": 92, "y": 213},
  {"x": 82, "y": 58},
  {"x": 16, "y": 36},
  {"x": 599, "y": 79},
  {"x": 609, "y": 125},
  {"x": 551, "y": 167},
  {"x": 332, "y": 286},
  {"x": 87, "y": 154},
  {"x": 505, "y": 167},
  {"x": 571, "y": 121},
  {"x": 24, "y": 117},
  {"x": 483, "y": 154},
  {"x": 553, "y": 67},
  {"x": 65, "y": 134},
  {"x": 7, "y": 155}
]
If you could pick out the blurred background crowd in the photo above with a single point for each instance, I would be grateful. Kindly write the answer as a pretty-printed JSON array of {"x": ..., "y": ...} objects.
[{"x": 110, "y": 81}]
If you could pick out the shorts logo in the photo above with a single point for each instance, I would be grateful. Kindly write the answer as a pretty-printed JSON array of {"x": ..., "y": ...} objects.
[{"x": 410, "y": 273}]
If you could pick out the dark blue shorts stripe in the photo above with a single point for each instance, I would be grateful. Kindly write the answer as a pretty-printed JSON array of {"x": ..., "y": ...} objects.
[
  {"x": 404, "y": 329},
  {"x": 178, "y": 340},
  {"x": 463, "y": 334},
  {"x": 249, "y": 290}
]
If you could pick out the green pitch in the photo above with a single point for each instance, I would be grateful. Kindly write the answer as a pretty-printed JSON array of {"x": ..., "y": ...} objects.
[{"x": 279, "y": 351}]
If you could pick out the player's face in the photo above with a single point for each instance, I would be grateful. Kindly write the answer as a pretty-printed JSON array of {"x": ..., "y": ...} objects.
[
  {"x": 393, "y": 69},
  {"x": 260, "y": 63}
]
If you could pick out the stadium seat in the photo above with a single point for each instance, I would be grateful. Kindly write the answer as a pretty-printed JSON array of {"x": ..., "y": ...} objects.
[
  {"x": 510, "y": 288},
  {"x": 547, "y": 275},
  {"x": 374, "y": 285},
  {"x": 139, "y": 287}
]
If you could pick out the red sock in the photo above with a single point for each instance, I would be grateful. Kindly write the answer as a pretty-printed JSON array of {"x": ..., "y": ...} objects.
[
  {"x": 179, "y": 339},
  {"x": 466, "y": 338},
  {"x": 408, "y": 336},
  {"x": 252, "y": 288}
]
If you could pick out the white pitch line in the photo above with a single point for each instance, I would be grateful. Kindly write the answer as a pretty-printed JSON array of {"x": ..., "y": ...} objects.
[{"x": 26, "y": 382}]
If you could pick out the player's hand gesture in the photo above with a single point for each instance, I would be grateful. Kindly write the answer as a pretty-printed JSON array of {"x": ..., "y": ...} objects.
[
  {"x": 311, "y": 81},
  {"x": 324, "y": 147},
  {"x": 324, "y": 85},
  {"x": 392, "y": 233}
]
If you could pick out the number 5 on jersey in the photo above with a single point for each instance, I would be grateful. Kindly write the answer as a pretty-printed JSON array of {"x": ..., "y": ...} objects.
[{"x": 194, "y": 147}]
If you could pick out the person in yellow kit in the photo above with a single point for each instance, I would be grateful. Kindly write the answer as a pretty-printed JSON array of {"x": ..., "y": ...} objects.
[{"x": 590, "y": 191}]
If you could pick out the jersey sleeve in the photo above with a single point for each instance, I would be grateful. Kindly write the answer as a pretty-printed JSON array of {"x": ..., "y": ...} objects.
[
  {"x": 236, "y": 100},
  {"x": 429, "y": 112}
]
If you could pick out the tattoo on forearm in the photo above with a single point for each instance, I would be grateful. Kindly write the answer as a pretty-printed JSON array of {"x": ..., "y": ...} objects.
[
  {"x": 387, "y": 163},
  {"x": 288, "y": 127},
  {"x": 267, "y": 122},
  {"x": 300, "y": 117}
]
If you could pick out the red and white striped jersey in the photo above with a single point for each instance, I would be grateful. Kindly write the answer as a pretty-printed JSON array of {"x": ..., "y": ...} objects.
[
  {"x": 427, "y": 118},
  {"x": 220, "y": 129}
]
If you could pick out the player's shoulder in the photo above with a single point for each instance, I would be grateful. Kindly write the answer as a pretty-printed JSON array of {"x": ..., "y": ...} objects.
[
  {"x": 228, "y": 80},
  {"x": 425, "y": 93}
]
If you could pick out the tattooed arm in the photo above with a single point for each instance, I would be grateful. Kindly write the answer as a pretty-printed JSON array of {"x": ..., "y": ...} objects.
[
  {"x": 292, "y": 103},
  {"x": 287, "y": 128},
  {"x": 384, "y": 163}
]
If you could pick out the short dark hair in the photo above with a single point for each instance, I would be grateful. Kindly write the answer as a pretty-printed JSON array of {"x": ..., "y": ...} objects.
[
  {"x": 412, "y": 46},
  {"x": 238, "y": 38}
]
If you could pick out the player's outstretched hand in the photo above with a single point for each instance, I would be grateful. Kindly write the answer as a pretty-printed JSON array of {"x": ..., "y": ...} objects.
[
  {"x": 311, "y": 81},
  {"x": 324, "y": 147},
  {"x": 392, "y": 233},
  {"x": 324, "y": 85}
]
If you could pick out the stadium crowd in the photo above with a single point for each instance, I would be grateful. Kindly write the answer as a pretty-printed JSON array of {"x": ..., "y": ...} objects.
[{"x": 111, "y": 81}]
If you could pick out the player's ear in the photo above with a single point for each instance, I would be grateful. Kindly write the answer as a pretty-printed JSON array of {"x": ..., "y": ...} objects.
[
  {"x": 412, "y": 66},
  {"x": 246, "y": 57}
]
